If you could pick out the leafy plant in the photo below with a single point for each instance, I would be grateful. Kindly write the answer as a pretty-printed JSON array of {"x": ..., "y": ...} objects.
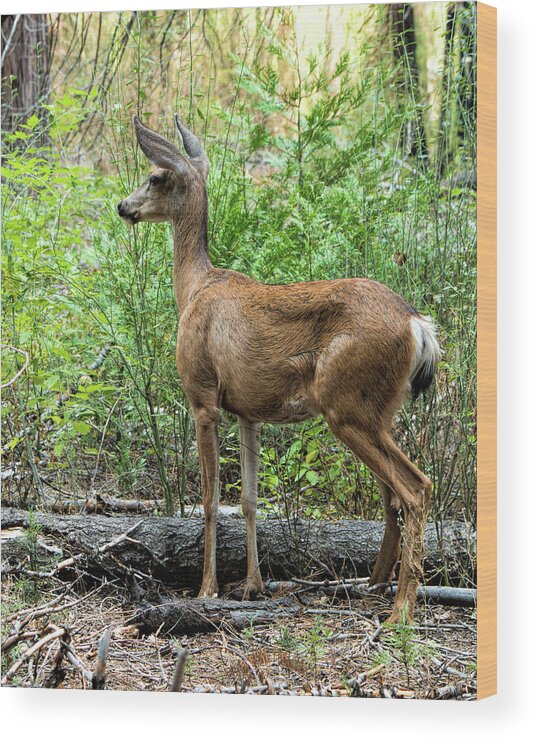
[
  {"x": 402, "y": 646},
  {"x": 30, "y": 539},
  {"x": 309, "y": 645}
]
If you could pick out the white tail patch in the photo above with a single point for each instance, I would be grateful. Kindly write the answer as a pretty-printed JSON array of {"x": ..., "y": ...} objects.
[{"x": 427, "y": 353}]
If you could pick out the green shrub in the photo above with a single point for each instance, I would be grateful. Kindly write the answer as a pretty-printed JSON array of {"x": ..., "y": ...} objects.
[{"x": 307, "y": 182}]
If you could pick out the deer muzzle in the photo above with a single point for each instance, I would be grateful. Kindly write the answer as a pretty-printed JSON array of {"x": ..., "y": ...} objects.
[{"x": 126, "y": 213}]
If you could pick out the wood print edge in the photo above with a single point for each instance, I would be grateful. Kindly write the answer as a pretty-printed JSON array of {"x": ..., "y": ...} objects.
[{"x": 486, "y": 350}]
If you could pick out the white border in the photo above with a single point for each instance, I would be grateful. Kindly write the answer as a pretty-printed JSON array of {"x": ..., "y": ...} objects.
[{"x": 43, "y": 713}]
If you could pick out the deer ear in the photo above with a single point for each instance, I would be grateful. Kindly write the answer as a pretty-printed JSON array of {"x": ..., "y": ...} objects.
[
  {"x": 193, "y": 147},
  {"x": 157, "y": 149}
]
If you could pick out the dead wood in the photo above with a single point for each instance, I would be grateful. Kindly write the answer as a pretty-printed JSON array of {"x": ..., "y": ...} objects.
[
  {"x": 197, "y": 616},
  {"x": 52, "y": 632},
  {"x": 447, "y": 596},
  {"x": 97, "y": 504},
  {"x": 358, "y": 588},
  {"x": 190, "y": 616},
  {"x": 178, "y": 673},
  {"x": 103, "y": 505},
  {"x": 171, "y": 549},
  {"x": 98, "y": 679}
]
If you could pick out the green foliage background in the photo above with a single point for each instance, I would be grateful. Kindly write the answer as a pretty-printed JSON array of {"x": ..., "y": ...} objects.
[{"x": 309, "y": 180}]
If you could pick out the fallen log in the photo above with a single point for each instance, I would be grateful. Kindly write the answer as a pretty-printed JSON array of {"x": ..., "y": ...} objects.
[
  {"x": 194, "y": 616},
  {"x": 444, "y": 595},
  {"x": 97, "y": 504},
  {"x": 170, "y": 549},
  {"x": 447, "y": 596}
]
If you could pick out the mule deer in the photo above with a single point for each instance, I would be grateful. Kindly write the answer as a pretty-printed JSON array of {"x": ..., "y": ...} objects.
[{"x": 348, "y": 349}]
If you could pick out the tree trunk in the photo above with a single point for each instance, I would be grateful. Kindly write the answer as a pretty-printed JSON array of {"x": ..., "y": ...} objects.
[
  {"x": 404, "y": 47},
  {"x": 457, "y": 122},
  {"x": 467, "y": 75},
  {"x": 25, "y": 66},
  {"x": 444, "y": 135},
  {"x": 171, "y": 549}
]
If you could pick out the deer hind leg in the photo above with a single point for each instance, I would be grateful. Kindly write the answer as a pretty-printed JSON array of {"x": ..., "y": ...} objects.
[
  {"x": 206, "y": 427},
  {"x": 411, "y": 566},
  {"x": 250, "y": 436},
  {"x": 409, "y": 492},
  {"x": 385, "y": 565}
]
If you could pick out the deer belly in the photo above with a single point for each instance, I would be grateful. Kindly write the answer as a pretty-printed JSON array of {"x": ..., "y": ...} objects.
[
  {"x": 297, "y": 409},
  {"x": 272, "y": 410},
  {"x": 275, "y": 390}
]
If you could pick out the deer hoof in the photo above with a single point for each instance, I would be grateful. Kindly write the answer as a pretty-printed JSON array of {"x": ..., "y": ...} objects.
[
  {"x": 252, "y": 589},
  {"x": 208, "y": 592},
  {"x": 397, "y": 617}
]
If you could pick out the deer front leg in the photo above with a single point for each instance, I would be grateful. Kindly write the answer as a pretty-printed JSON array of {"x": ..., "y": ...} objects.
[
  {"x": 206, "y": 427},
  {"x": 250, "y": 442}
]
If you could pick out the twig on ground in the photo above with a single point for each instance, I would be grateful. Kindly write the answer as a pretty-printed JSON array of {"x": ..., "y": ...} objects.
[
  {"x": 445, "y": 668},
  {"x": 98, "y": 678},
  {"x": 225, "y": 645},
  {"x": 354, "y": 684},
  {"x": 22, "y": 612},
  {"x": 325, "y": 583},
  {"x": 178, "y": 673},
  {"x": 12, "y": 639},
  {"x": 57, "y": 674},
  {"x": 75, "y": 661},
  {"x": 55, "y": 634},
  {"x": 450, "y": 692}
]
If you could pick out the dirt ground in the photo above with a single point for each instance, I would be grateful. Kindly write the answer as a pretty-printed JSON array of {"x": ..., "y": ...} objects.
[{"x": 333, "y": 647}]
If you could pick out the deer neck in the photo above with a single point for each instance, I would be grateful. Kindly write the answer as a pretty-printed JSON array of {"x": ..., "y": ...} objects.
[{"x": 191, "y": 262}]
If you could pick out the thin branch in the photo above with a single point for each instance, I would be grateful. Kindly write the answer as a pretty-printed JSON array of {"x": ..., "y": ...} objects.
[
  {"x": 23, "y": 368},
  {"x": 8, "y": 43},
  {"x": 98, "y": 679},
  {"x": 178, "y": 673},
  {"x": 57, "y": 633}
]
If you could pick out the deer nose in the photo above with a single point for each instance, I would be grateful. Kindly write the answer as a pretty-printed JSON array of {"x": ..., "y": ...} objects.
[{"x": 121, "y": 209}]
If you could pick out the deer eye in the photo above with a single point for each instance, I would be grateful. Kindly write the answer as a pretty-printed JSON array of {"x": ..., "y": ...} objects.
[{"x": 155, "y": 180}]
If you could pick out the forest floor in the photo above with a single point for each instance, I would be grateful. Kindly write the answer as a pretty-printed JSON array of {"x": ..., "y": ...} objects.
[{"x": 338, "y": 648}]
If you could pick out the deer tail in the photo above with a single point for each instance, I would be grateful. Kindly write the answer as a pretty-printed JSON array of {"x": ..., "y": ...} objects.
[{"x": 426, "y": 354}]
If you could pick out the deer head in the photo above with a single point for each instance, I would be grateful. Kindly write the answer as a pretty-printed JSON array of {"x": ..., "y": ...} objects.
[{"x": 170, "y": 186}]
